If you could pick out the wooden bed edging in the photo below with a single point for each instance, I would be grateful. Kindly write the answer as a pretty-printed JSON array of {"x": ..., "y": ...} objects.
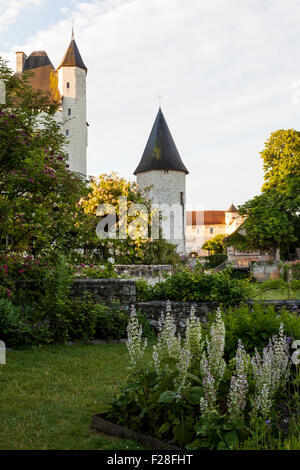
[{"x": 101, "y": 424}]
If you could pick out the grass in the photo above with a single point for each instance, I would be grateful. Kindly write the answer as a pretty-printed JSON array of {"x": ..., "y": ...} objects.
[
  {"x": 277, "y": 294},
  {"x": 49, "y": 395}
]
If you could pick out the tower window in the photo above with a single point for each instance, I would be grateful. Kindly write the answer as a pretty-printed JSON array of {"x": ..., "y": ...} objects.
[
  {"x": 181, "y": 198},
  {"x": 68, "y": 84},
  {"x": 67, "y": 132},
  {"x": 166, "y": 171},
  {"x": 69, "y": 111}
]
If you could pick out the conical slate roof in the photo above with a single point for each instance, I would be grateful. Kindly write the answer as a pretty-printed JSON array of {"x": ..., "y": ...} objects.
[
  {"x": 232, "y": 208},
  {"x": 160, "y": 152},
  {"x": 72, "y": 57}
]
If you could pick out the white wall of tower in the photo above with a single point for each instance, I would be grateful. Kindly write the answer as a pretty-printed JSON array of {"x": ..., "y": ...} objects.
[
  {"x": 74, "y": 99},
  {"x": 167, "y": 187}
]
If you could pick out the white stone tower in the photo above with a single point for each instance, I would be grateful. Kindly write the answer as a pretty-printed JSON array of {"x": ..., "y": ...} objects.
[
  {"x": 72, "y": 86},
  {"x": 162, "y": 169}
]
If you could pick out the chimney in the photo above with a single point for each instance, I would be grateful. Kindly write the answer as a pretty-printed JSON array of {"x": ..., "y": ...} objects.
[{"x": 20, "y": 60}]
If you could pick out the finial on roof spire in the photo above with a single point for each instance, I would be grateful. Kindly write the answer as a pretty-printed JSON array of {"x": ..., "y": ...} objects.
[
  {"x": 72, "y": 37},
  {"x": 159, "y": 100}
]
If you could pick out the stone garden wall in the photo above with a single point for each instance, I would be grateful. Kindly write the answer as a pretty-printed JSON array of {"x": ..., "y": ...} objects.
[
  {"x": 152, "y": 271},
  {"x": 181, "y": 310},
  {"x": 263, "y": 271},
  {"x": 123, "y": 290},
  {"x": 106, "y": 290}
]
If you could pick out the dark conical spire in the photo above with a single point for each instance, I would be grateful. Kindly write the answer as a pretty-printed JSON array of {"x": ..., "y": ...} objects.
[
  {"x": 72, "y": 56},
  {"x": 232, "y": 208},
  {"x": 160, "y": 152}
]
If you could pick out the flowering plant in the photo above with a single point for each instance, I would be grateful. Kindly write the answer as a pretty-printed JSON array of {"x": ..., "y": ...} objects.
[{"x": 189, "y": 394}]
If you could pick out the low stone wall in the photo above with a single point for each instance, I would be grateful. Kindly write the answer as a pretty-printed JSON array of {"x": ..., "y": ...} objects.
[
  {"x": 152, "y": 271},
  {"x": 263, "y": 271},
  {"x": 106, "y": 290},
  {"x": 124, "y": 291},
  {"x": 181, "y": 310}
]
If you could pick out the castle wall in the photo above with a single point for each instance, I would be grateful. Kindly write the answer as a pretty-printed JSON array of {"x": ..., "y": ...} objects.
[{"x": 167, "y": 187}]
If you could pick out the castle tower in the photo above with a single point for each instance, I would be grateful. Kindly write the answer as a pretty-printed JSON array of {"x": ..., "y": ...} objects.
[
  {"x": 72, "y": 86},
  {"x": 162, "y": 169},
  {"x": 230, "y": 216}
]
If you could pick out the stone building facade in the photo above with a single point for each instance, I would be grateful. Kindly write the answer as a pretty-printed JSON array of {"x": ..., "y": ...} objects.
[
  {"x": 65, "y": 86},
  {"x": 202, "y": 226}
]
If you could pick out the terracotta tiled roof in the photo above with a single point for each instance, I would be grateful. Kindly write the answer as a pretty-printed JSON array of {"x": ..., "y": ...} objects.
[{"x": 205, "y": 218}]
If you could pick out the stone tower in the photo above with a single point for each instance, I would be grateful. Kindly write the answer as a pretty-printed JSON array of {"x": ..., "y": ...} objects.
[
  {"x": 66, "y": 87},
  {"x": 162, "y": 169},
  {"x": 72, "y": 86}
]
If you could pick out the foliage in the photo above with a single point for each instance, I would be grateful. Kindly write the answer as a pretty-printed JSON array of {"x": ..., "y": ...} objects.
[
  {"x": 103, "y": 271},
  {"x": 281, "y": 157},
  {"x": 272, "y": 218},
  {"x": 196, "y": 285},
  {"x": 131, "y": 243},
  {"x": 254, "y": 324},
  {"x": 212, "y": 261},
  {"x": 268, "y": 222},
  {"x": 37, "y": 307},
  {"x": 180, "y": 396},
  {"x": 215, "y": 245},
  {"x": 39, "y": 212}
]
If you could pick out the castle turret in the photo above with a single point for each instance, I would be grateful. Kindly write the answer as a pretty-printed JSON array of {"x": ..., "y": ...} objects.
[
  {"x": 230, "y": 216},
  {"x": 162, "y": 169},
  {"x": 72, "y": 85}
]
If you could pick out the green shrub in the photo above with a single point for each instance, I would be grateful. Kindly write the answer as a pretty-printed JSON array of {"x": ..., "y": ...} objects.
[
  {"x": 111, "y": 321},
  {"x": 20, "y": 326},
  {"x": 212, "y": 261},
  {"x": 254, "y": 325},
  {"x": 196, "y": 285}
]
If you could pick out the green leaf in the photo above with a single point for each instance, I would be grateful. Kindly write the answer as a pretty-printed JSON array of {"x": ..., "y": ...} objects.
[
  {"x": 232, "y": 439},
  {"x": 194, "y": 394},
  {"x": 164, "y": 428},
  {"x": 222, "y": 446},
  {"x": 183, "y": 434},
  {"x": 167, "y": 397}
]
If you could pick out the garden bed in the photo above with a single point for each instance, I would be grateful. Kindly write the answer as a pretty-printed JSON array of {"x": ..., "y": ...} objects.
[{"x": 99, "y": 423}]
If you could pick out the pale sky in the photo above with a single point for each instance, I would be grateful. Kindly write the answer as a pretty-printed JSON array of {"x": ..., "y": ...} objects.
[{"x": 228, "y": 72}]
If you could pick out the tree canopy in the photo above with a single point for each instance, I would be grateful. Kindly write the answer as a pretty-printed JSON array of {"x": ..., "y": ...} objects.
[{"x": 272, "y": 218}]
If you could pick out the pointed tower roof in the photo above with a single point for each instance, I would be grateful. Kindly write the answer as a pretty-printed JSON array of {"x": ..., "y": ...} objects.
[
  {"x": 72, "y": 57},
  {"x": 232, "y": 208},
  {"x": 37, "y": 59},
  {"x": 160, "y": 152}
]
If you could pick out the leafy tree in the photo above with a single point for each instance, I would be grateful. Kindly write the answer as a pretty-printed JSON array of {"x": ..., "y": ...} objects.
[
  {"x": 272, "y": 218},
  {"x": 107, "y": 189},
  {"x": 215, "y": 245},
  {"x": 39, "y": 211},
  {"x": 281, "y": 157}
]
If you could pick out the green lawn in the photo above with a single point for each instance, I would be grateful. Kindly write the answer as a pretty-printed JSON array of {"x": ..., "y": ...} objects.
[
  {"x": 276, "y": 294},
  {"x": 48, "y": 396}
]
